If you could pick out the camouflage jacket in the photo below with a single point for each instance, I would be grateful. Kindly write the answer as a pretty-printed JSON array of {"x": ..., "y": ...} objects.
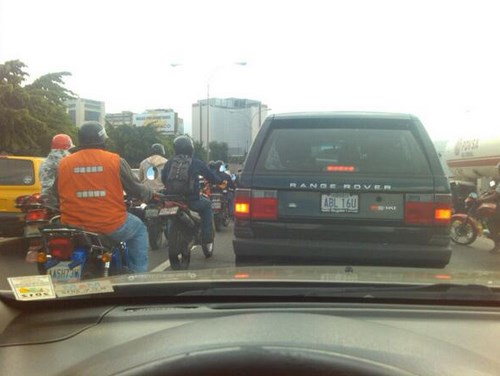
[{"x": 48, "y": 173}]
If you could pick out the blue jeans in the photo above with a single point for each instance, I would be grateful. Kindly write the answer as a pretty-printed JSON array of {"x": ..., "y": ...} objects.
[
  {"x": 134, "y": 232},
  {"x": 204, "y": 209}
]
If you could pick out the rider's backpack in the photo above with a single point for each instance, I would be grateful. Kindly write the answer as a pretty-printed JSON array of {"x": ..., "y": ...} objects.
[{"x": 178, "y": 180}]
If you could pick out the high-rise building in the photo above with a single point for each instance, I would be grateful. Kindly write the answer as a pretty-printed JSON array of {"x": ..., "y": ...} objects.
[
  {"x": 81, "y": 110},
  {"x": 235, "y": 121},
  {"x": 120, "y": 118}
]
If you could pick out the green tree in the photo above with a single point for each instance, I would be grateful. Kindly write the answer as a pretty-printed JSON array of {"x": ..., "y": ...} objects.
[
  {"x": 30, "y": 115},
  {"x": 200, "y": 152},
  {"x": 219, "y": 151},
  {"x": 134, "y": 143}
]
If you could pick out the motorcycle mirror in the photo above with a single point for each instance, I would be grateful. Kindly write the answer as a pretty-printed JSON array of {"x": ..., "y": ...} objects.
[
  {"x": 492, "y": 183},
  {"x": 151, "y": 173}
]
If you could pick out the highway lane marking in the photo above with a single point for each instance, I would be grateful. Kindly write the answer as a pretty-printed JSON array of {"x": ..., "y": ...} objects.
[{"x": 162, "y": 267}]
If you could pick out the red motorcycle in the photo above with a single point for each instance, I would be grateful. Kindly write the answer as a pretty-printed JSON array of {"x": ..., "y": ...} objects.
[
  {"x": 465, "y": 227},
  {"x": 36, "y": 216}
]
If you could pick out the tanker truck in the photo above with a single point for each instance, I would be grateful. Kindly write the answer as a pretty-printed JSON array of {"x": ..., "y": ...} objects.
[{"x": 473, "y": 159}]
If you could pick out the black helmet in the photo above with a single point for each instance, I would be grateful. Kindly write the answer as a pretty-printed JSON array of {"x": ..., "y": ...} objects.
[
  {"x": 211, "y": 165},
  {"x": 92, "y": 134},
  {"x": 183, "y": 145},
  {"x": 157, "y": 149}
]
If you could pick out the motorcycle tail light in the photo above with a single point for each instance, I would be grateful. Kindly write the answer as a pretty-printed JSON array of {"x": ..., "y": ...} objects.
[
  {"x": 21, "y": 200},
  {"x": 36, "y": 215},
  {"x": 34, "y": 199},
  {"x": 61, "y": 248}
]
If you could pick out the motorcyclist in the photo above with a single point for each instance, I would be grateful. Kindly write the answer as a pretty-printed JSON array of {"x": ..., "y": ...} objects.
[
  {"x": 224, "y": 174},
  {"x": 494, "y": 221},
  {"x": 157, "y": 161},
  {"x": 181, "y": 176},
  {"x": 90, "y": 185},
  {"x": 59, "y": 148}
]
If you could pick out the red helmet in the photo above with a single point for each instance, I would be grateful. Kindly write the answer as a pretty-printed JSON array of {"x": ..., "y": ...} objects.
[{"x": 61, "y": 142}]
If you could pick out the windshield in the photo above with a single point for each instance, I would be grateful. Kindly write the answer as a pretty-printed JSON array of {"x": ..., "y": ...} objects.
[{"x": 303, "y": 141}]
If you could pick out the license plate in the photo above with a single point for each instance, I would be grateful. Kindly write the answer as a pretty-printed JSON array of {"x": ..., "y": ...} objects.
[
  {"x": 339, "y": 203},
  {"x": 62, "y": 273},
  {"x": 151, "y": 213},
  {"x": 216, "y": 205},
  {"x": 31, "y": 230},
  {"x": 169, "y": 211}
]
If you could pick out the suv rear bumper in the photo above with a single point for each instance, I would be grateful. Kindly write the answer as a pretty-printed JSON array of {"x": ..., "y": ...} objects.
[{"x": 352, "y": 253}]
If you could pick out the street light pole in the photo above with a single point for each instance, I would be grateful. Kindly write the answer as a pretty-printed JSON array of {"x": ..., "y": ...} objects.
[
  {"x": 173, "y": 65},
  {"x": 208, "y": 122}
]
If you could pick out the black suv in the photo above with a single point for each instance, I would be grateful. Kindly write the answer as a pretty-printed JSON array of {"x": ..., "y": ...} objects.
[{"x": 348, "y": 188}]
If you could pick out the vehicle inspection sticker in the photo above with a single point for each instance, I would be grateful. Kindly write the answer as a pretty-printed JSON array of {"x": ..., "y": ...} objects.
[
  {"x": 36, "y": 287},
  {"x": 83, "y": 288}
]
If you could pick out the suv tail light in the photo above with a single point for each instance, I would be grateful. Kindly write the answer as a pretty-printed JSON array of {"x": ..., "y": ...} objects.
[
  {"x": 256, "y": 204},
  {"x": 428, "y": 209},
  {"x": 61, "y": 248}
]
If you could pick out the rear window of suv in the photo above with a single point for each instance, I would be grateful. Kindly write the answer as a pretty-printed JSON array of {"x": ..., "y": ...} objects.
[
  {"x": 345, "y": 146},
  {"x": 16, "y": 172}
]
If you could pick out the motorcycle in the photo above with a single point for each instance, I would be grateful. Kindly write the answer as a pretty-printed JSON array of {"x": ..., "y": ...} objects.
[
  {"x": 156, "y": 224},
  {"x": 220, "y": 207},
  {"x": 466, "y": 227},
  {"x": 71, "y": 254},
  {"x": 184, "y": 231},
  {"x": 36, "y": 216}
]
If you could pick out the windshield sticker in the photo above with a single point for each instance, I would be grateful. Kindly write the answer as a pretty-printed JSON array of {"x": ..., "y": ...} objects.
[
  {"x": 28, "y": 180},
  {"x": 37, "y": 287},
  {"x": 83, "y": 288}
]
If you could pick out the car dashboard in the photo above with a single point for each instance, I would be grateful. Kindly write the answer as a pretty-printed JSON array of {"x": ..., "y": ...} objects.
[{"x": 249, "y": 338}]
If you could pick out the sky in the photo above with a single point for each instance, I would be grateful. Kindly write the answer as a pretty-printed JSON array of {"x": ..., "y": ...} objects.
[{"x": 438, "y": 60}]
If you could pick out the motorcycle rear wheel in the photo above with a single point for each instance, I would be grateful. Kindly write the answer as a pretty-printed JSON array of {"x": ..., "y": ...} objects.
[
  {"x": 179, "y": 251},
  {"x": 463, "y": 231}
]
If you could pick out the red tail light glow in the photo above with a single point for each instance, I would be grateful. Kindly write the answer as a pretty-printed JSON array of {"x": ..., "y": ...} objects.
[
  {"x": 430, "y": 210},
  {"x": 61, "y": 248},
  {"x": 257, "y": 204},
  {"x": 35, "y": 199},
  {"x": 336, "y": 168},
  {"x": 36, "y": 215}
]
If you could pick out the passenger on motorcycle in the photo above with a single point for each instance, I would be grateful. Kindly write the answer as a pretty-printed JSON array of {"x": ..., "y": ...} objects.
[
  {"x": 181, "y": 177},
  {"x": 494, "y": 221},
  {"x": 90, "y": 185},
  {"x": 59, "y": 148},
  {"x": 157, "y": 161}
]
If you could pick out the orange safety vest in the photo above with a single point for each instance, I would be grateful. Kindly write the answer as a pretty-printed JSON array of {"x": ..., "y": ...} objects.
[{"x": 90, "y": 191}]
